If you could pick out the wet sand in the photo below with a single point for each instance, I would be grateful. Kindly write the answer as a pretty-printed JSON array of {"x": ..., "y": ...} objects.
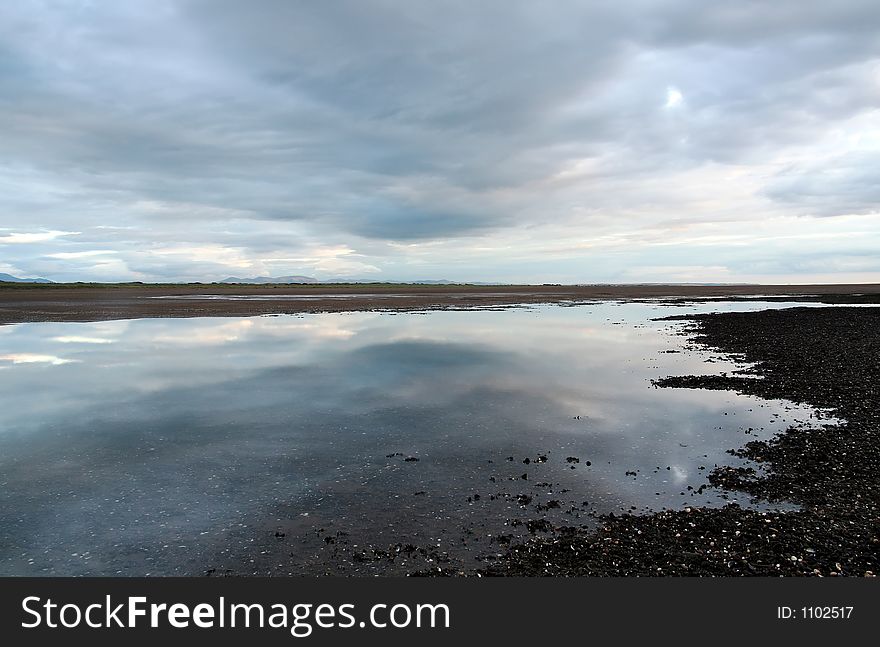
[{"x": 87, "y": 302}]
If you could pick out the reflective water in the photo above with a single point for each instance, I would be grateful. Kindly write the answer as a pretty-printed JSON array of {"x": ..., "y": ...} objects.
[{"x": 169, "y": 446}]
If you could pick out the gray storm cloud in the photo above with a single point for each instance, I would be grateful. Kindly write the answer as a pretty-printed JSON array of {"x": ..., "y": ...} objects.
[{"x": 566, "y": 141}]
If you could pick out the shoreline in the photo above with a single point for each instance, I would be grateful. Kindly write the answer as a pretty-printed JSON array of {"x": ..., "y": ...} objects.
[
  {"x": 23, "y": 303},
  {"x": 828, "y": 358}
]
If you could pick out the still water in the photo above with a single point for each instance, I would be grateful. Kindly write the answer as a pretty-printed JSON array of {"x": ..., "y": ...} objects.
[{"x": 175, "y": 446}]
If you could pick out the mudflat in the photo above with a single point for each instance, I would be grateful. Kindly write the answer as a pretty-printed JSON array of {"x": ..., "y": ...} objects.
[{"x": 99, "y": 302}]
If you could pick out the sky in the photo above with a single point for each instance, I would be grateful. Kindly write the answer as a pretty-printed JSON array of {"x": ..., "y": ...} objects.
[{"x": 511, "y": 141}]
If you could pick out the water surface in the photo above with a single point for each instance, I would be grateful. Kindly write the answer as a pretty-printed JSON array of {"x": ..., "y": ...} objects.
[{"x": 173, "y": 446}]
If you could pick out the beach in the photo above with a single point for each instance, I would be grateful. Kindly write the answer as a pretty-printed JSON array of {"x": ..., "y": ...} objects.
[{"x": 93, "y": 302}]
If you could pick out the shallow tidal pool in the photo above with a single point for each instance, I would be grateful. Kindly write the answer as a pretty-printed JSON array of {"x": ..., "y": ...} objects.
[{"x": 178, "y": 446}]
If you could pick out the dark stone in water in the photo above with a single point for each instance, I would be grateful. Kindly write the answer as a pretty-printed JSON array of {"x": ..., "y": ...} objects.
[{"x": 539, "y": 525}]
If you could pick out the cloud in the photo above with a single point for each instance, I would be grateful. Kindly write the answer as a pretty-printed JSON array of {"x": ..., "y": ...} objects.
[
  {"x": 79, "y": 339},
  {"x": 84, "y": 254},
  {"x": 38, "y": 237},
  {"x": 34, "y": 358},
  {"x": 196, "y": 139},
  {"x": 843, "y": 184}
]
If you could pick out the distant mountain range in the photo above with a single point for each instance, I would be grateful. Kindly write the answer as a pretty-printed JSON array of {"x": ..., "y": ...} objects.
[
  {"x": 257, "y": 280},
  {"x": 8, "y": 278}
]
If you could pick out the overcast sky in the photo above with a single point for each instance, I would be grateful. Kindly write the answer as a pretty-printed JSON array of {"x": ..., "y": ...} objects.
[{"x": 583, "y": 141}]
